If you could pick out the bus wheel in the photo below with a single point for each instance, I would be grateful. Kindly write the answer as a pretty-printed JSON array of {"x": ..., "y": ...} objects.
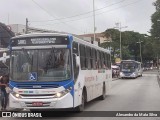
[
  {"x": 80, "y": 108},
  {"x": 103, "y": 96}
]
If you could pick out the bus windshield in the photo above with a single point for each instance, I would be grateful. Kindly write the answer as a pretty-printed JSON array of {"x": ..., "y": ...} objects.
[
  {"x": 128, "y": 67},
  {"x": 48, "y": 64}
]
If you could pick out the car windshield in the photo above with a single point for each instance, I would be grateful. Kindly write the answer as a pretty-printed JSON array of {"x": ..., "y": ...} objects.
[{"x": 42, "y": 65}]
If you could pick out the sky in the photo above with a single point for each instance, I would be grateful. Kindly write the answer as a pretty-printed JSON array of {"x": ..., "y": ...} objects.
[{"x": 76, "y": 16}]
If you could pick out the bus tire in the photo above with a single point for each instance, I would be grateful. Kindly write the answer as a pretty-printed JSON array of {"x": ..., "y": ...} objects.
[
  {"x": 80, "y": 108},
  {"x": 103, "y": 96}
]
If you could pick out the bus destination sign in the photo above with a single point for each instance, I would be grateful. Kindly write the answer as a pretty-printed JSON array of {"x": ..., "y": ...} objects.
[{"x": 40, "y": 41}]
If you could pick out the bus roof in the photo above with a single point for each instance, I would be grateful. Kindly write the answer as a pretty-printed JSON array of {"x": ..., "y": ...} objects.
[{"x": 79, "y": 40}]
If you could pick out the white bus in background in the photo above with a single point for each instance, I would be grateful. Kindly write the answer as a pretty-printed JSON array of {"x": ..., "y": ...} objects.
[
  {"x": 54, "y": 71},
  {"x": 130, "y": 69}
]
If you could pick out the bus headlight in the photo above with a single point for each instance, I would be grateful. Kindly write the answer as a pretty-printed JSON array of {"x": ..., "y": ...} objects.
[
  {"x": 62, "y": 93},
  {"x": 16, "y": 95}
]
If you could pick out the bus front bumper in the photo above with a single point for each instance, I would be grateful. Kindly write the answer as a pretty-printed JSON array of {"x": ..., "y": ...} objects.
[
  {"x": 132, "y": 75},
  {"x": 51, "y": 103}
]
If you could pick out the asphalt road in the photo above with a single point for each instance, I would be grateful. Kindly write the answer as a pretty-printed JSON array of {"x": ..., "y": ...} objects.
[{"x": 141, "y": 94}]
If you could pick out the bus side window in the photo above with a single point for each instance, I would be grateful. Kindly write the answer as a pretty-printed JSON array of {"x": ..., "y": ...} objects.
[
  {"x": 103, "y": 61},
  {"x": 94, "y": 58},
  {"x": 107, "y": 60},
  {"x": 82, "y": 57},
  {"x": 88, "y": 56},
  {"x": 76, "y": 68},
  {"x": 97, "y": 59},
  {"x": 75, "y": 48}
]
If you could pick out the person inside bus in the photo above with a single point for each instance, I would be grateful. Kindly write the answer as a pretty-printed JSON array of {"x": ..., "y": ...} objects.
[
  {"x": 4, "y": 80},
  {"x": 26, "y": 67},
  {"x": 61, "y": 61}
]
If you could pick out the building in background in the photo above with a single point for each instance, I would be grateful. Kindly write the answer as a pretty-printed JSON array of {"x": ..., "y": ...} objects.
[
  {"x": 100, "y": 37},
  {"x": 5, "y": 36},
  {"x": 20, "y": 29}
]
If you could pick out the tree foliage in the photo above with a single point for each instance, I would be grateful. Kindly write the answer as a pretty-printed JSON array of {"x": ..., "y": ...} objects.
[
  {"x": 155, "y": 28},
  {"x": 130, "y": 45}
]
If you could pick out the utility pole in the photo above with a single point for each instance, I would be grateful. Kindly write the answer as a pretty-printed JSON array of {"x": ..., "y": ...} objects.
[
  {"x": 120, "y": 41},
  {"x": 26, "y": 25},
  {"x": 140, "y": 50},
  {"x": 140, "y": 47},
  {"x": 118, "y": 25},
  {"x": 94, "y": 29},
  {"x": 157, "y": 62}
]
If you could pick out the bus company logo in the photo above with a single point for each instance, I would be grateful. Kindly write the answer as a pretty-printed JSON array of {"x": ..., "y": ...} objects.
[{"x": 6, "y": 114}]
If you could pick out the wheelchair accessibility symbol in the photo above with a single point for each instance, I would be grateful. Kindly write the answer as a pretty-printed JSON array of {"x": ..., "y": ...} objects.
[{"x": 33, "y": 76}]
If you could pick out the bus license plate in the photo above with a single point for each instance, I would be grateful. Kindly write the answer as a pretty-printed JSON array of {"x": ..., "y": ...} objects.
[{"x": 37, "y": 104}]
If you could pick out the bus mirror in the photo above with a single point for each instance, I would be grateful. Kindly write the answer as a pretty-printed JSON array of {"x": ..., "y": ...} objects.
[{"x": 76, "y": 60}]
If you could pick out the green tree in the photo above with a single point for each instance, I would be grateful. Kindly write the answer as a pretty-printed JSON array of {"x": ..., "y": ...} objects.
[
  {"x": 130, "y": 46},
  {"x": 114, "y": 43},
  {"x": 155, "y": 29}
]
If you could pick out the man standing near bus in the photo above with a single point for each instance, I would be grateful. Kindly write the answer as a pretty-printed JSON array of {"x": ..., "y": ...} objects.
[{"x": 4, "y": 80}]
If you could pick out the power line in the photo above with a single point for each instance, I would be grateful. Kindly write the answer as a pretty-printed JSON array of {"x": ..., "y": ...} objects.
[
  {"x": 96, "y": 14},
  {"x": 52, "y": 15},
  {"x": 81, "y": 13}
]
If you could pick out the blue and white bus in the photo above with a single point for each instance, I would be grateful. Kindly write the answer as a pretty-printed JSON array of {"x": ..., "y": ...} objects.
[
  {"x": 56, "y": 71},
  {"x": 130, "y": 69}
]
